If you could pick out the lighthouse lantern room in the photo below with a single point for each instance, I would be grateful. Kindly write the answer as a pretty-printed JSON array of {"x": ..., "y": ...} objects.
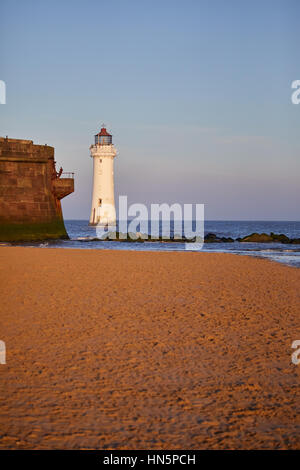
[{"x": 103, "y": 137}]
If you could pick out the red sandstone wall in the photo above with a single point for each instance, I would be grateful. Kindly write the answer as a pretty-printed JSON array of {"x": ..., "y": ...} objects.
[
  {"x": 27, "y": 173},
  {"x": 25, "y": 193}
]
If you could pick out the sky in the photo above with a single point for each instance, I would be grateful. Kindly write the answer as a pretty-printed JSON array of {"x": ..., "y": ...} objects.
[{"x": 196, "y": 93}]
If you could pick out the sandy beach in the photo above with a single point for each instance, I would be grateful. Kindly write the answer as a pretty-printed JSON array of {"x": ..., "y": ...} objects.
[{"x": 140, "y": 350}]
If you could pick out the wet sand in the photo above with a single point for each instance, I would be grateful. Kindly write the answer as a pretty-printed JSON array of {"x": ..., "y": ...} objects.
[{"x": 139, "y": 350}]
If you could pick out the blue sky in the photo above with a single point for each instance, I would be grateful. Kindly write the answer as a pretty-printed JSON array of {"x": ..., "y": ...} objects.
[{"x": 197, "y": 95}]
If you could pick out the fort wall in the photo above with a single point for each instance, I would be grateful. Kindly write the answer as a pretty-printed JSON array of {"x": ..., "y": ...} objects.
[{"x": 30, "y": 192}]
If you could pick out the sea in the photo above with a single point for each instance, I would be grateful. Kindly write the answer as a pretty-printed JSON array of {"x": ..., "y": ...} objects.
[{"x": 83, "y": 236}]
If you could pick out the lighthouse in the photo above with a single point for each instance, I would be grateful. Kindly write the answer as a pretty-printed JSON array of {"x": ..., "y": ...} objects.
[{"x": 103, "y": 152}]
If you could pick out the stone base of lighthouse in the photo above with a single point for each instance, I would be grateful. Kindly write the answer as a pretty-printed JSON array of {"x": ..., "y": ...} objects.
[{"x": 103, "y": 216}]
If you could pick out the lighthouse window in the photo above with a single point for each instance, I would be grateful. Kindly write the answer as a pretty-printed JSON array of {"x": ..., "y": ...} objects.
[
  {"x": 106, "y": 140},
  {"x": 100, "y": 160},
  {"x": 100, "y": 202}
]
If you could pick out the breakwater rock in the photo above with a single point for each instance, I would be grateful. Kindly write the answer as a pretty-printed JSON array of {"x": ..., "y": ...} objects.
[
  {"x": 209, "y": 238},
  {"x": 213, "y": 238},
  {"x": 271, "y": 238}
]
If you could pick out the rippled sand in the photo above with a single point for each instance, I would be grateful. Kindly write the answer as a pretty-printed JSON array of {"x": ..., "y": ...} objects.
[{"x": 139, "y": 350}]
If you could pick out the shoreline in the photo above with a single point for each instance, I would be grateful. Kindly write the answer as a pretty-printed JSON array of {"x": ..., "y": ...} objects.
[
  {"x": 254, "y": 253},
  {"x": 115, "y": 349}
]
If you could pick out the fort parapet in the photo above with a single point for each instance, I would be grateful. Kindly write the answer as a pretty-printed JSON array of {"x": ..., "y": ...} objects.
[{"x": 30, "y": 192}]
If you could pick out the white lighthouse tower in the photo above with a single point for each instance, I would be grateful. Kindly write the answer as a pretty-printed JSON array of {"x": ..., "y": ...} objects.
[{"x": 103, "y": 210}]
